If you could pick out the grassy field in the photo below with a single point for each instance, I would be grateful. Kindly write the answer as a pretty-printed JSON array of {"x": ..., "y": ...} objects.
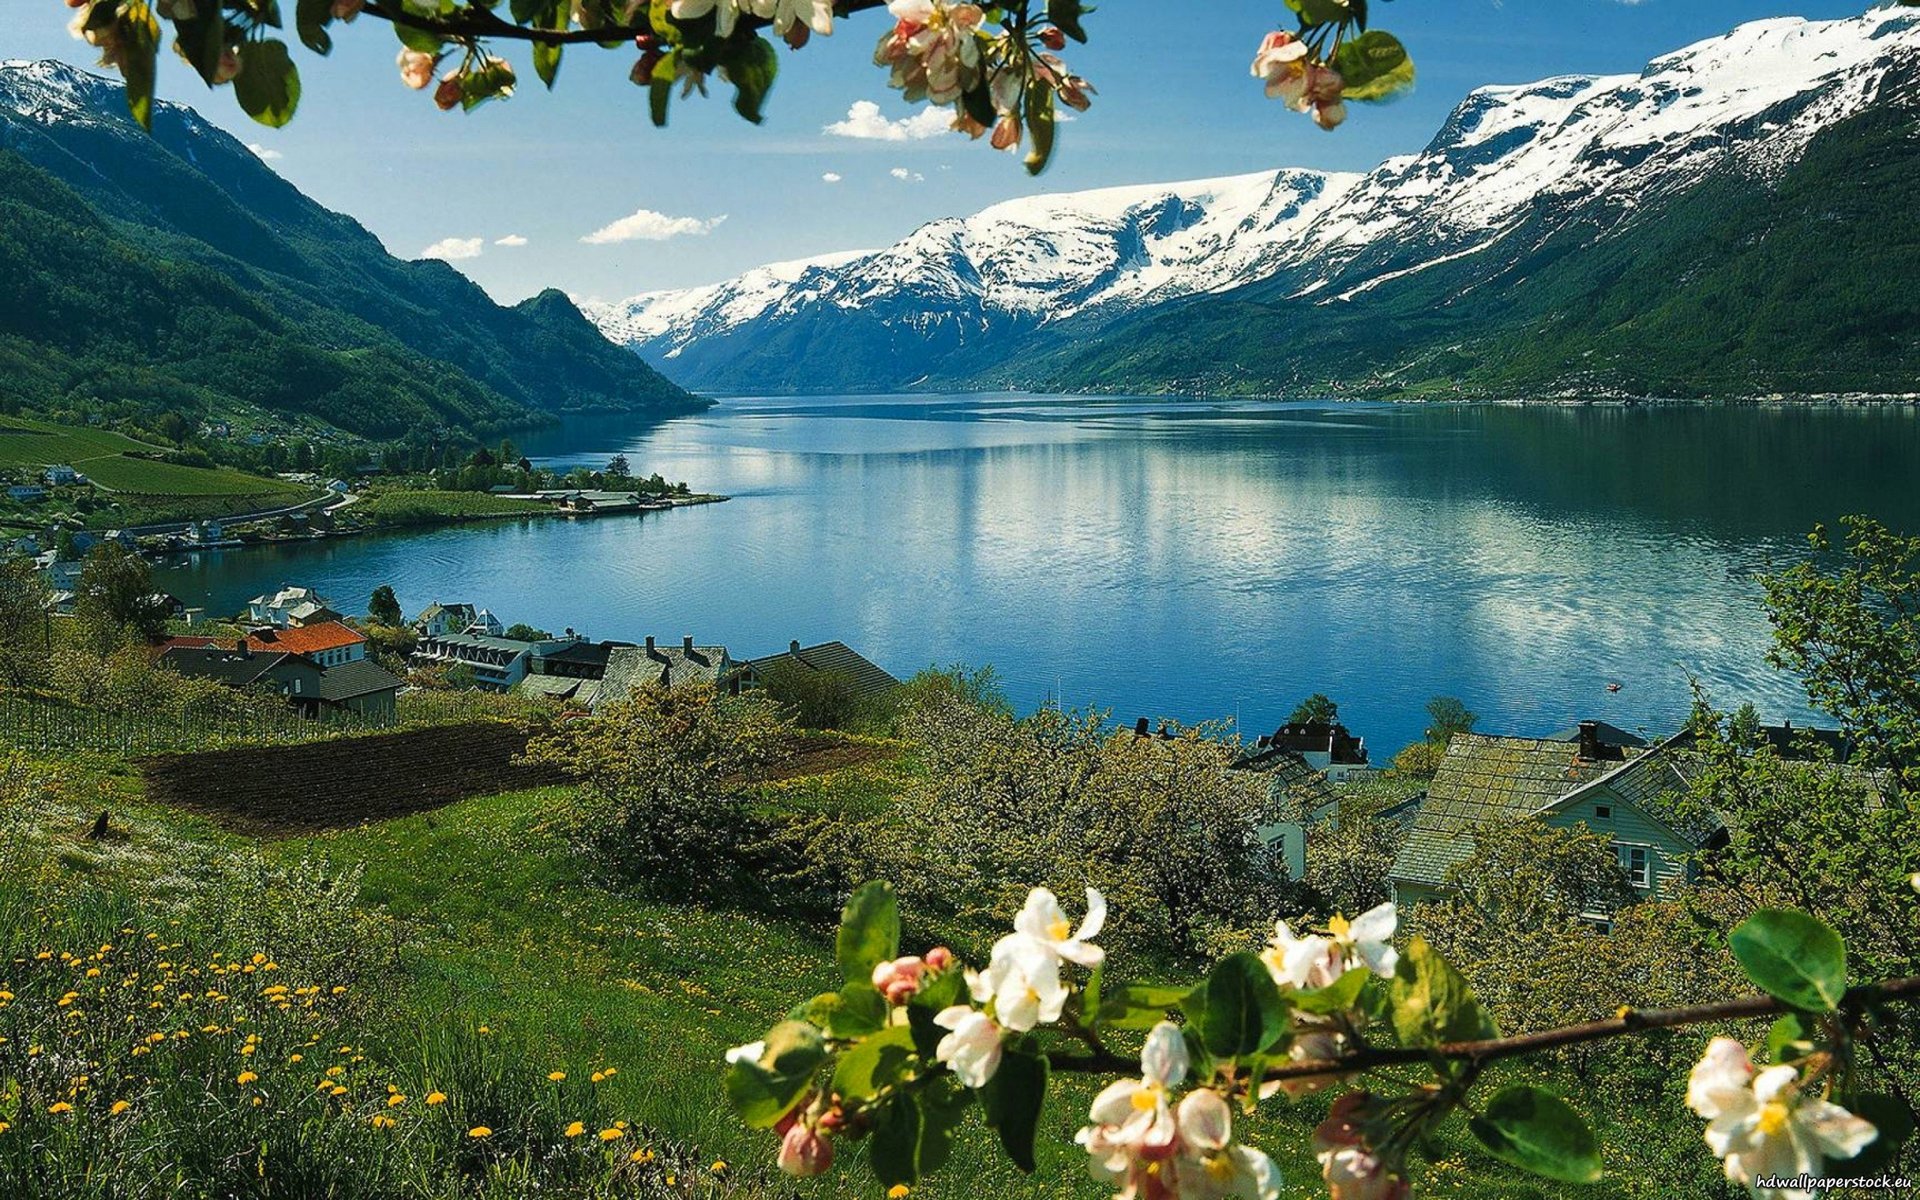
[
  {"x": 399, "y": 509},
  {"x": 109, "y": 459}
]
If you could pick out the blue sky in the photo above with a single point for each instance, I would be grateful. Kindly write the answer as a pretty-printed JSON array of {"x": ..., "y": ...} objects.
[{"x": 553, "y": 168}]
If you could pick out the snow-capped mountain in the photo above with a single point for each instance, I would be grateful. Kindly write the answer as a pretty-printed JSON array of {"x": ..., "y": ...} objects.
[{"x": 1513, "y": 168}]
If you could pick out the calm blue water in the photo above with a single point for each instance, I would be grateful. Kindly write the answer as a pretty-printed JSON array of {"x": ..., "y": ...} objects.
[{"x": 1189, "y": 559}]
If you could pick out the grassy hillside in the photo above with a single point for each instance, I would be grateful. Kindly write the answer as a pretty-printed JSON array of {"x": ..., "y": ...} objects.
[
  {"x": 120, "y": 464},
  {"x": 397, "y": 509}
]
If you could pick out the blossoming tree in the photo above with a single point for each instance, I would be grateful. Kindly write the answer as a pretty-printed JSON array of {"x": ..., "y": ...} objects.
[
  {"x": 908, "y": 1045},
  {"x": 996, "y": 66}
]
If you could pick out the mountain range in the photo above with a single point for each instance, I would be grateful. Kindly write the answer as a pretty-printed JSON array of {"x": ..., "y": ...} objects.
[
  {"x": 177, "y": 272},
  {"x": 1734, "y": 220}
]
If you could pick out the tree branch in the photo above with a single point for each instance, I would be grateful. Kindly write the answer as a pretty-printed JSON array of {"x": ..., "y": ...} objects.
[
  {"x": 1483, "y": 1052},
  {"x": 469, "y": 23}
]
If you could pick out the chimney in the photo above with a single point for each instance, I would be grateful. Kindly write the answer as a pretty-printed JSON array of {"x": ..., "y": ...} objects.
[
  {"x": 650, "y": 653},
  {"x": 1140, "y": 727},
  {"x": 1590, "y": 740},
  {"x": 686, "y": 644},
  {"x": 793, "y": 647}
]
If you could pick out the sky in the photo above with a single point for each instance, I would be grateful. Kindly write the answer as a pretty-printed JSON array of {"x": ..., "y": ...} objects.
[{"x": 575, "y": 189}]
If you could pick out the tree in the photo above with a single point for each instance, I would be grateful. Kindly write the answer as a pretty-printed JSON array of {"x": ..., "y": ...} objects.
[
  {"x": 996, "y": 67},
  {"x": 23, "y": 620},
  {"x": 618, "y": 468},
  {"x": 811, "y": 699},
  {"x": 1316, "y": 709},
  {"x": 520, "y": 631},
  {"x": 114, "y": 600},
  {"x": 384, "y": 608},
  {"x": 1847, "y": 622},
  {"x": 1447, "y": 716}
]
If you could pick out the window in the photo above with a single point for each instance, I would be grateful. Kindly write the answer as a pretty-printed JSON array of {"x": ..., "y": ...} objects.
[
  {"x": 1603, "y": 811},
  {"x": 1634, "y": 860}
]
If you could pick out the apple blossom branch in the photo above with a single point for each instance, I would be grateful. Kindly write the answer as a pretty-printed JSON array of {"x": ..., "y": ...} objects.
[
  {"x": 469, "y": 23},
  {"x": 1630, "y": 1022}
]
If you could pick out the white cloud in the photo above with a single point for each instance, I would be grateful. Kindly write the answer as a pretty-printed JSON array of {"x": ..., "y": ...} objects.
[
  {"x": 512, "y": 239},
  {"x": 864, "y": 121},
  {"x": 647, "y": 225},
  {"x": 454, "y": 249},
  {"x": 266, "y": 153},
  {"x": 906, "y": 176},
  {"x": 830, "y": 177}
]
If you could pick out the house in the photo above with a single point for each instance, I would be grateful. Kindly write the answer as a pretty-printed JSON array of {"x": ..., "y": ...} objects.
[
  {"x": 1608, "y": 735},
  {"x": 868, "y": 678},
  {"x": 575, "y": 657},
  {"x": 1298, "y": 798},
  {"x": 1327, "y": 748},
  {"x": 498, "y": 663},
  {"x": 25, "y": 547},
  {"x": 27, "y": 493},
  {"x": 62, "y": 476},
  {"x": 1639, "y": 799},
  {"x": 630, "y": 668},
  {"x": 339, "y": 487},
  {"x": 438, "y": 620},
  {"x": 486, "y": 624},
  {"x": 326, "y": 644},
  {"x": 290, "y": 606},
  {"x": 360, "y": 687}
]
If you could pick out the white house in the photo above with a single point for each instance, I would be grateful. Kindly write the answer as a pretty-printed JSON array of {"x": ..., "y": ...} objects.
[
  {"x": 286, "y": 607},
  {"x": 62, "y": 476}
]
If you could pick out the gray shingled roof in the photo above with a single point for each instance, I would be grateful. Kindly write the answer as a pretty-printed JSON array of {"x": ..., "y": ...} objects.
[
  {"x": 869, "y": 678},
  {"x": 231, "y": 667},
  {"x": 1294, "y": 788},
  {"x": 632, "y": 667},
  {"x": 1484, "y": 780}
]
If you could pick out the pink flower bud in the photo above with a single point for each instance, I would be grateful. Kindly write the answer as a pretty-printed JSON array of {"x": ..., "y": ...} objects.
[
  {"x": 939, "y": 958},
  {"x": 416, "y": 68},
  {"x": 797, "y": 35},
  {"x": 347, "y": 10},
  {"x": 228, "y": 66},
  {"x": 1053, "y": 39},
  {"x": 447, "y": 95},
  {"x": 804, "y": 1152},
  {"x": 901, "y": 989},
  {"x": 882, "y": 975},
  {"x": 1006, "y": 134}
]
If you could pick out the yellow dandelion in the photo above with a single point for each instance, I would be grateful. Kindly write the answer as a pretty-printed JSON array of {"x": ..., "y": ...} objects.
[
  {"x": 642, "y": 1155},
  {"x": 60, "y": 1107},
  {"x": 4, "y": 1127},
  {"x": 479, "y": 1131},
  {"x": 483, "y": 1029},
  {"x": 294, "y": 1058},
  {"x": 396, "y": 1100},
  {"x": 576, "y": 1129},
  {"x": 611, "y": 1135},
  {"x": 556, "y": 1076},
  {"x": 671, "y": 1180},
  {"x": 337, "y": 1091},
  {"x": 257, "y": 1102},
  {"x": 599, "y": 1076},
  {"x": 382, "y": 1121},
  {"x": 245, "y": 1077},
  {"x": 119, "y": 1106},
  {"x": 435, "y": 1099},
  {"x": 898, "y": 1191},
  {"x": 719, "y": 1166},
  {"x": 339, "y": 991}
]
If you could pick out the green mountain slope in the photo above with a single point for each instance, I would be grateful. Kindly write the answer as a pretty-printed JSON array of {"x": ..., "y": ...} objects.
[{"x": 178, "y": 271}]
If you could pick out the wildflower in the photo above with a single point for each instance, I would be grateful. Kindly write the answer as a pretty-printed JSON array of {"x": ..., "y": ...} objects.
[
  {"x": 119, "y": 1106},
  {"x": 416, "y": 68},
  {"x": 599, "y": 1077},
  {"x": 1132, "y": 1122},
  {"x": 1762, "y": 1125},
  {"x": 899, "y": 1191},
  {"x": 59, "y": 1107},
  {"x": 382, "y": 1121},
  {"x": 796, "y": 19},
  {"x": 4, "y": 1126},
  {"x": 576, "y": 1129},
  {"x": 719, "y": 1166},
  {"x": 725, "y": 12},
  {"x": 611, "y": 1135},
  {"x": 803, "y": 1151},
  {"x": 294, "y": 1058},
  {"x": 479, "y": 1132},
  {"x": 396, "y": 1100},
  {"x": 436, "y": 1099},
  {"x": 972, "y": 1049},
  {"x": 642, "y": 1155},
  {"x": 556, "y": 1076},
  {"x": 245, "y": 1077}
]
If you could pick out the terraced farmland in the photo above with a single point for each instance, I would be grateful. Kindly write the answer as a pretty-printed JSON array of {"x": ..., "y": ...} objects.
[{"x": 109, "y": 459}]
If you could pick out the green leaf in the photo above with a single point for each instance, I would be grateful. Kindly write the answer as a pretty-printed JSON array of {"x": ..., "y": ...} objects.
[
  {"x": 418, "y": 39},
  {"x": 1787, "y": 1039},
  {"x": 268, "y": 85},
  {"x": 853, "y": 1012},
  {"x": 1238, "y": 1010},
  {"x": 1337, "y": 997},
  {"x": 139, "y": 47},
  {"x": 936, "y": 993},
  {"x": 751, "y": 71},
  {"x": 869, "y": 932},
  {"x": 310, "y": 20},
  {"x": 942, "y": 1107},
  {"x": 1137, "y": 1005},
  {"x": 765, "y": 1089},
  {"x": 1535, "y": 1130},
  {"x": 1039, "y": 126},
  {"x": 660, "y": 88},
  {"x": 1014, "y": 1098},
  {"x": 1432, "y": 1004},
  {"x": 1793, "y": 958},
  {"x": 1320, "y": 12},
  {"x": 874, "y": 1063},
  {"x": 977, "y": 101},
  {"x": 1090, "y": 995},
  {"x": 895, "y": 1146},
  {"x": 1066, "y": 14},
  {"x": 201, "y": 39},
  {"x": 1374, "y": 66},
  {"x": 546, "y": 62}
]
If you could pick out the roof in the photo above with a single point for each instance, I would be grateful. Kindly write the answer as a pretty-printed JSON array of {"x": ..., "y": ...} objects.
[
  {"x": 306, "y": 639},
  {"x": 1484, "y": 780},
  {"x": 1609, "y": 735},
  {"x": 869, "y": 679},
  {"x": 482, "y": 641},
  {"x": 350, "y": 681},
  {"x": 559, "y": 687},
  {"x": 453, "y": 610},
  {"x": 1290, "y": 779},
  {"x": 231, "y": 667},
  {"x": 1320, "y": 737},
  {"x": 630, "y": 668},
  {"x": 287, "y": 597},
  {"x": 586, "y": 654}
]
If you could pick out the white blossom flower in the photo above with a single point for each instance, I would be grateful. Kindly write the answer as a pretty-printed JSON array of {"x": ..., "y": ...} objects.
[
  {"x": 1282, "y": 62},
  {"x": 972, "y": 1049},
  {"x": 1133, "y": 1122},
  {"x": 1022, "y": 980},
  {"x": 1043, "y": 920},
  {"x": 1318, "y": 961},
  {"x": 416, "y": 68},
  {"x": 1761, "y": 1124},
  {"x": 1210, "y": 1166},
  {"x": 725, "y": 12},
  {"x": 816, "y": 15},
  {"x": 751, "y": 1052},
  {"x": 932, "y": 49}
]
